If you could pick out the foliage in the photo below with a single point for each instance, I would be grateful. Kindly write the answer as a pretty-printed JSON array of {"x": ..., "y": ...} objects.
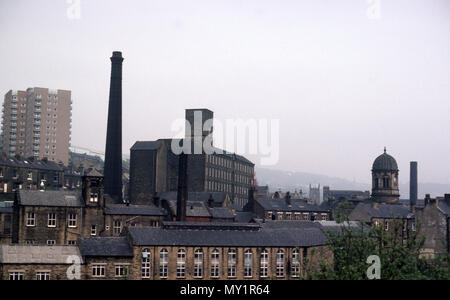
[{"x": 398, "y": 250}]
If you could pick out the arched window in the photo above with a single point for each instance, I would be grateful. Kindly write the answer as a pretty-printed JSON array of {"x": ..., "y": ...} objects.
[
  {"x": 215, "y": 264},
  {"x": 386, "y": 182},
  {"x": 295, "y": 265},
  {"x": 232, "y": 258},
  {"x": 248, "y": 264},
  {"x": 163, "y": 263},
  {"x": 264, "y": 264},
  {"x": 198, "y": 263},
  {"x": 145, "y": 263},
  {"x": 181, "y": 263},
  {"x": 280, "y": 263}
]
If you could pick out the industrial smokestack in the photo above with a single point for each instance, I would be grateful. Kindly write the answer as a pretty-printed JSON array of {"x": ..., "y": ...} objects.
[
  {"x": 413, "y": 184},
  {"x": 182, "y": 188},
  {"x": 113, "y": 152}
]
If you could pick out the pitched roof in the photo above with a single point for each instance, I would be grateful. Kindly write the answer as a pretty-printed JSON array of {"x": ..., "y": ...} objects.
[
  {"x": 93, "y": 173},
  {"x": 31, "y": 164},
  {"x": 244, "y": 217},
  {"x": 137, "y": 210},
  {"x": 50, "y": 198},
  {"x": 219, "y": 197},
  {"x": 444, "y": 207},
  {"x": 193, "y": 209},
  {"x": 146, "y": 145},
  {"x": 105, "y": 246},
  {"x": 155, "y": 145},
  {"x": 219, "y": 237},
  {"x": 296, "y": 205},
  {"x": 32, "y": 254},
  {"x": 386, "y": 211},
  {"x": 221, "y": 213}
]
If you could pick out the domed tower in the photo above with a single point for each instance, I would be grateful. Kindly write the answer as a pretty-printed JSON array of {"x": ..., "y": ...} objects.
[{"x": 385, "y": 179}]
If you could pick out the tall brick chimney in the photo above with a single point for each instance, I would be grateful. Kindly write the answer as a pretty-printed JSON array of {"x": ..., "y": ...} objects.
[
  {"x": 413, "y": 184},
  {"x": 113, "y": 152},
  {"x": 182, "y": 188}
]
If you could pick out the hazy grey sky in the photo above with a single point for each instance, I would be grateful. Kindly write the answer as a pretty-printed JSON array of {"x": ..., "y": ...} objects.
[{"x": 342, "y": 84}]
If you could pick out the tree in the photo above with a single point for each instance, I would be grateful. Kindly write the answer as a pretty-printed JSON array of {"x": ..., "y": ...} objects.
[{"x": 399, "y": 255}]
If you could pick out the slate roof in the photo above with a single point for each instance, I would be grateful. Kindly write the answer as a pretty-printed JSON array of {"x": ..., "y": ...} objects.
[
  {"x": 50, "y": 198},
  {"x": 296, "y": 205},
  {"x": 137, "y": 210},
  {"x": 146, "y": 145},
  {"x": 221, "y": 213},
  {"x": 264, "y": 237},
  {"x": 32, "y": 254},
  {"x": 244, "y": 217},
  {"x": 444, "y": 207},
  {"x": 219, "y": 197},
  {"x": 155, "y": 145},
  {"x": 31, "y": 164},
  {"x": 93, "y": 173},
  {"x": 386, "y": 211},
  {"x": 193, "y": 209},
  {"x": 105, "y": 246}
]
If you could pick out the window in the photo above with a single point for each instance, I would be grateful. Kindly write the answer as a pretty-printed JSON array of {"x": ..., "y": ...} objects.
[
  {"x": 215, "y": 264},
  {"x": 51, "y": 220},
  {"x": 386, "y": 183},
  {"x": 7, "y": 225},
  {"x": 72, "y": 220},
  {"x": 264, "y": 264},
  {"x": 280, "y": 263},
  {"x": 117, "y": 227},
  {"x": 386, "y": 225},
  {"x": 181, "y": 263},
  {"x": 145, "y": 263},
  {"x": 121, "y": 270},
  {"x": 163, "y": 263},
  {"x": 98, "y": 270},
  {"x": 93, "y": 230},
  {"x": 295, "y": 266},
  {"x": 198, "y": 264},
  {"x": 231, "y": 263},
  {"x": 42, "y": 275},
  {"x": 30, "y": 175},
  {"x": 15, "y": 275},
  {"x": 93, "y": 198},
  {"x": 72, "y": 243},
  {"x": 248, "y": 264},
  {"x": 51, "y": 242},
  {"x": 31, "y": 221}
]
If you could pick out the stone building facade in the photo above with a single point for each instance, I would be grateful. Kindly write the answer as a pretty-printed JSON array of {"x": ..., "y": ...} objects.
[
  {"x": 433, "y": 223},
  {"x": 178, "y": 251},
  {"x": 6, "y": 222},
  {"x": 154, "y": 169},
  {"x": 26, "y": 262},
  {"x": 19, "y": 173},
  {"x": 289, "y": 209},
  {"x": 61, "y": 217}
]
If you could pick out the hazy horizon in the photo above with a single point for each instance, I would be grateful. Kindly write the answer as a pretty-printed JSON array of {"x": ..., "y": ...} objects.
[{"x": 342, "y": 84}]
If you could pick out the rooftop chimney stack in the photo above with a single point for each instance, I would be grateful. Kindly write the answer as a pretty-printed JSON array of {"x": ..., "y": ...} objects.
[
  {"x": 413, "y": 184},
  {"x": 113, "y": 152},
  {"x": 199, "y": 129},
  {"x": 182, "y": 189}
]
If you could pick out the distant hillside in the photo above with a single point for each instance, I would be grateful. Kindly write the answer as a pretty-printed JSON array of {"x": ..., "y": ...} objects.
[{"x": 290, "y": 181}]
